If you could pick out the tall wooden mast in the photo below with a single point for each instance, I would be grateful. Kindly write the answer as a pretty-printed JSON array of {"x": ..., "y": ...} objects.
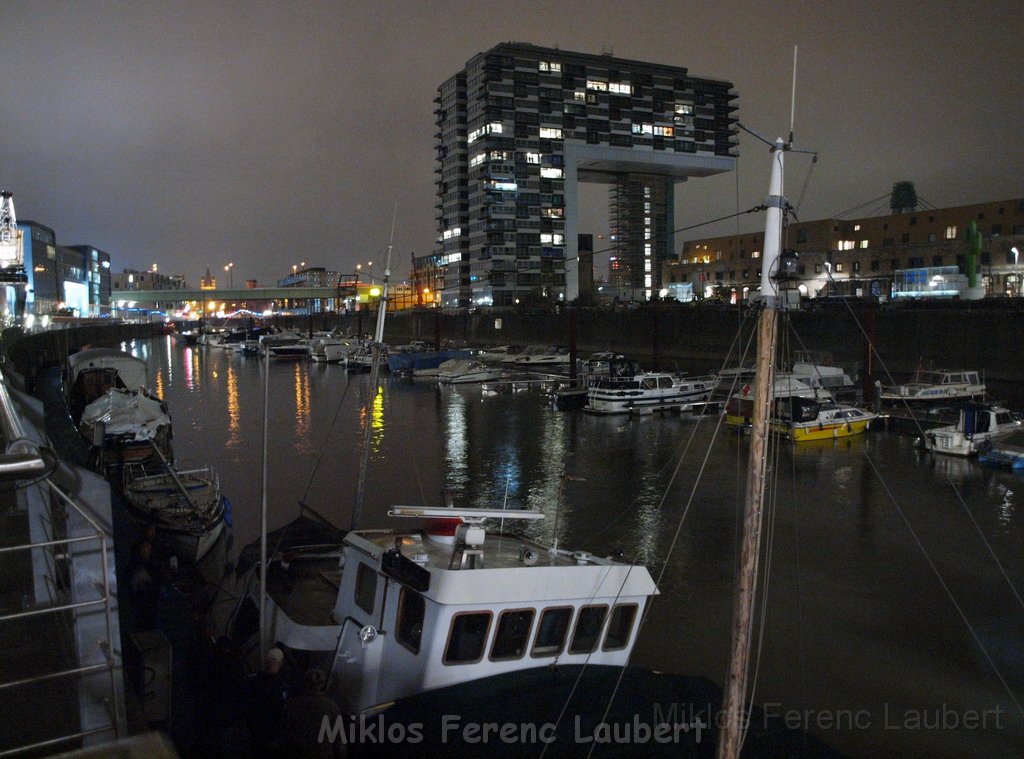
[{"x": 730, "y": 740}]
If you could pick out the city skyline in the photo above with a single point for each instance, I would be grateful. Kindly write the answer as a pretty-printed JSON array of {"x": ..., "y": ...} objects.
[{"x": 185, "y": 138}]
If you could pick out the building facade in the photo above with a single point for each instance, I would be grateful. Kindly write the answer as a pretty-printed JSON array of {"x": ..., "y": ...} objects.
[
  {"x": 861, "y": 256},
  {"x": 59, "y": 278},
  {"x": 520, "y": 126},
  {"x": 426, "y": 278}
]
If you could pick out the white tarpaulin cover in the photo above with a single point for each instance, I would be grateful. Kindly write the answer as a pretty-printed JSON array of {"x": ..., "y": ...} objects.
[{"x": 123, "y": 413}]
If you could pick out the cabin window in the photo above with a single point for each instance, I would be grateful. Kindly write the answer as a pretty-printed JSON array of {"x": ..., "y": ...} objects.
[
  {"x": 467, "y": 637},
  {"x": 409, "y": 628},
  {"x": 554, "y": 624},
  {"x": 588, "y": 629},
  {"x": 366, "y": 587},
  {"x": 972, "y": 378},
  {"x": 1003, "y": 417},
  {"x": 512, "y": 635},
  {"x": 664, "y": 382},
  {"x": 955, "y": 379},
  {"x": 620, "y": 627}
]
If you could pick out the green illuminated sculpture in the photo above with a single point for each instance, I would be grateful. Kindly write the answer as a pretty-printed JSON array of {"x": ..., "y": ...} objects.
[{"x": 973, "y": 239}]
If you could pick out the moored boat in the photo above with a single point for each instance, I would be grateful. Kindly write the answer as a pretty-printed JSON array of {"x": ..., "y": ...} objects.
[
  {"x": 978, "y": 425},
  {"x": 806, "y": 419},
  {"x": 1005, "y": 452},
  {"x": 459, "y": 602},
  {"x": 466, "y": 371},
  {"x": 186, "y": 507},
  {"x": 647, "y": 391},
  {"x": 930, "y": 386}
]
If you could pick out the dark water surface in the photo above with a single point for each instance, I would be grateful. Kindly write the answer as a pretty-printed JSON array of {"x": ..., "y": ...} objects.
[{"x": 878, "y": 552}]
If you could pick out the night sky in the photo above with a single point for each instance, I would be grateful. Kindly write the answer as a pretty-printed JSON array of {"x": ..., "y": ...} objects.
[{"x": 190, "y": 134}]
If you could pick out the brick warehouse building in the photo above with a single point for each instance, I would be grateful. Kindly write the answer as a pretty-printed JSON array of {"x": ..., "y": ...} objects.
[{"x": 862, "y": 255}]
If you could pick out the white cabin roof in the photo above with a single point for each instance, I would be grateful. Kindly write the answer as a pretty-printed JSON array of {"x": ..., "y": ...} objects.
[
  {"x": 504, "y": 576},
  {"x": 132, "y": 370}
]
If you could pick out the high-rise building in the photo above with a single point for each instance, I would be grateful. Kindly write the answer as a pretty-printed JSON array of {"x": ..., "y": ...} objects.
[{"x": 522, "y": 125}]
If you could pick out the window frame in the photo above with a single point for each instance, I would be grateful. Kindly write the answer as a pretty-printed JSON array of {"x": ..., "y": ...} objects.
[
  {"x": 600, "y": 630},
  {"x": 400, "y": 616},
  {"x": 629, "y": 632},
  {"x": 497, "y": 628},
  {"x": 361, "y": 571},
  {"x": 565, "y": 637},
  {"x": 451, "y": 629}
]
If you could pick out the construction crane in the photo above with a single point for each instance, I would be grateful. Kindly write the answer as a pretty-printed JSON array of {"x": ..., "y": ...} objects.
[{"x": 12, "y": 254}]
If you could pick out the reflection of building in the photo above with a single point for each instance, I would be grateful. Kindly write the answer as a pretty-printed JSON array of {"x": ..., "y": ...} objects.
[
  {"x": 59, "y": 277},
  {"x": 520, "y": 126},
  {"x": 862, "y": 256}
]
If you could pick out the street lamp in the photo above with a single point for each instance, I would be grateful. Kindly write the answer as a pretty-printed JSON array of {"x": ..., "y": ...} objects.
[{"x": 230, "y": 269}]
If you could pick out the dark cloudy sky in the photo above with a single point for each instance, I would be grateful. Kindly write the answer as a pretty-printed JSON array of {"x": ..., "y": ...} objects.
[{"x": 269, "y": 133}]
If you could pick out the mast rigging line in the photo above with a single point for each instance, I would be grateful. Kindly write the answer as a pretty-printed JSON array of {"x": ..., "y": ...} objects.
[
  {"x": 661, "y": 504},
  {"x": 920, "y": 429},
  {"x": 682, "y": 518},
  {"x": 942, "y": 582}
]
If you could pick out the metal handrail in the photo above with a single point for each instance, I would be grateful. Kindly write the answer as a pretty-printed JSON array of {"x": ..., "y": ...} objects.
[
  {"x": 105, "y": 599},
  {"x": 21, "y": 455}
]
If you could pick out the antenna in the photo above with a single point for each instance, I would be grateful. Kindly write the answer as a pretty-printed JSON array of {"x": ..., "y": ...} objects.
[{"x": 792, "y": 100}]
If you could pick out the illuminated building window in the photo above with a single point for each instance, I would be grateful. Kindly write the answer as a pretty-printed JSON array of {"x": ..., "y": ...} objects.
[
  {"x": 620, "y": 88},
  {"x": 950, "y": 233},
  {"x": 643, "y": 129},
  {"x": 551, "y": 66},
  {"x": 684, "y": 109},
  {"x": 856, "y": 227},
  {"x": 549, "y": 172},
  {"x": 664, "y": 131},
  {"x": 550, "y": 133},
  {"x": 864, "y": 243},
  {"x": 579, "y": 95},
  {"x": 533, "y": 158},
  {"x": 593, "y": 84},
  {"x": 477, "y": 160}
]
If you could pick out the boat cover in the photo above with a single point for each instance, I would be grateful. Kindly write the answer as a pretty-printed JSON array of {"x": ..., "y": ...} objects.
[{"x": 127, "y": 413}]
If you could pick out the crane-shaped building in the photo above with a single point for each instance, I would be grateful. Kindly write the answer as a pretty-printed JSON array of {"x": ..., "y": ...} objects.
[{"x": 12, "y": 255}]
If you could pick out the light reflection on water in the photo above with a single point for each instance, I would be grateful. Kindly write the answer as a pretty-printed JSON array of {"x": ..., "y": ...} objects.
[{"x": 853, "y": 606}]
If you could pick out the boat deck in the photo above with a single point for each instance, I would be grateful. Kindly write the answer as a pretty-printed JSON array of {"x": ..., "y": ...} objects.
[{"x": 307, "y": 589}]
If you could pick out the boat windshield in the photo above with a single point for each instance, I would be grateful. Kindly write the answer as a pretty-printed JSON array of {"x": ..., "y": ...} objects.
[{"x": 932, "y": 378}]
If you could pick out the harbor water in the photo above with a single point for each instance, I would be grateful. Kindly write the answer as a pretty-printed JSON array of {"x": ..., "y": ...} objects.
[{"x": 892, "y": 619}]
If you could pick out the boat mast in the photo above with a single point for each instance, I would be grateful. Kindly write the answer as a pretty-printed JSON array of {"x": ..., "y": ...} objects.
[
  {"x": 263, "y": 509},
  {"x": 730, "y": 739},
  {"x": 378, "y": 343}
]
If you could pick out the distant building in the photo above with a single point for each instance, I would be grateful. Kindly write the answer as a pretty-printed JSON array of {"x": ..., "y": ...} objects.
[
  {"x": 862, "y": 256},
  {"x": 150, "y": 281},
  {"x": 318, "y": 276},
  {"x": 427, "y": 279},
  {"x": 75, "y": 278},
  {"x": 521, "y": 126},
  {"x": 209, "y": 282}
]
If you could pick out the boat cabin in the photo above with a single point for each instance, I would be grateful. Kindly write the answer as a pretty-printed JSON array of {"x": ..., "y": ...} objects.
[
  {"x": 94, "y": 372},
  {"x": 427, "y": 608}
]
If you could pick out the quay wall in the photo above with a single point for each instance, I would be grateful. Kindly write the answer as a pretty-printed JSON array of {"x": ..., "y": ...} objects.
[
  {"x": 988, "y": 336},
  {"x": 31, "y": 354}
]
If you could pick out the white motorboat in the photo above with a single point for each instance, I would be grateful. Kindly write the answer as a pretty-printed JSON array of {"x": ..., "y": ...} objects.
[
  {"x": 292, "y": 351},
  {"x": 739, "y": 408},
  {"x": 979, "y": 424},
  {"x": 540, "y": 357},
  {"x": 459, "y": 604},
  {"x": 332, "y": 350},
  {"x": 932, "y": 386},
  {"x": 834, "y": 379},
  {"x": 498, "y": 354},
  {"x": 466, "y": 371},
  {"x": 647, "y": 391}
]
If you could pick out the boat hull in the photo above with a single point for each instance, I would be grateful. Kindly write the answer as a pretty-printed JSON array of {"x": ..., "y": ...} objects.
[{"x": 831, "y": 431}]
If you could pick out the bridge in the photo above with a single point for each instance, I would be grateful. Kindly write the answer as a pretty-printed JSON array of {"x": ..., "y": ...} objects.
[{"x": 234, "y": 295}]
